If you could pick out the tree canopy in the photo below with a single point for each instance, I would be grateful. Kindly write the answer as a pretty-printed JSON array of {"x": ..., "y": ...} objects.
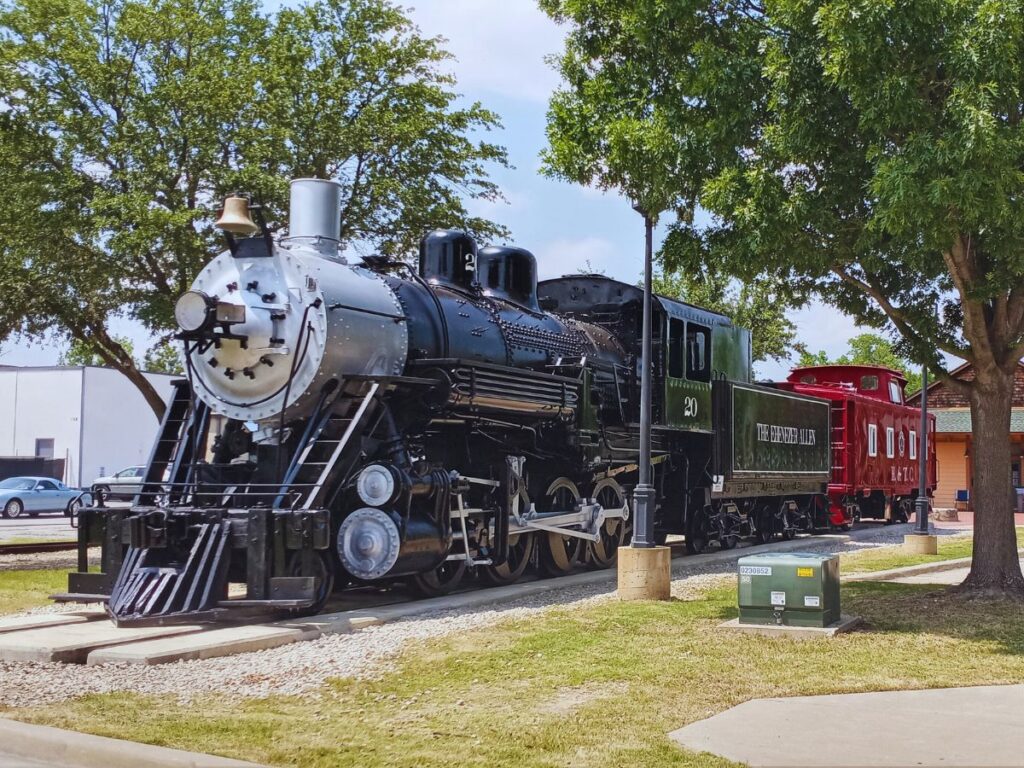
[
  {"x": 869, "y": 153},
  {"x": 754, "y": 305},
  {"x": 123, "y": 123},
  {"x": 868, "y": 349}
]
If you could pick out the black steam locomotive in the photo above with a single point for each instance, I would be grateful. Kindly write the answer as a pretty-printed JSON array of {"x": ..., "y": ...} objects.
[{"x": 365, "y": 423}]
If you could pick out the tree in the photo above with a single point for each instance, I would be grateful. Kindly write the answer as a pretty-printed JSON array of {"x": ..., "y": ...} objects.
[
  {"x": 868, "y": 349},
  {"x": 754, "y": 305},
  {"x": 81, "y": 353},
  {"x": 163, "y": 357},
  {"x": 124, "y": 122},
  {"x": 870, "y": 153}
]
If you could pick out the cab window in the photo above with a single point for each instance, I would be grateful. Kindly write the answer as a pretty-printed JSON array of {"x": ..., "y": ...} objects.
[
  {"x": 895, "y": 392},
  {"x": 869, "y": 383},
  {"x": 698, "y": 352},
  {"x": 676, "y": 348}
]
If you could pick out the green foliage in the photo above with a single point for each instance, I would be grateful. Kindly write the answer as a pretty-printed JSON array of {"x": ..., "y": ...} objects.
[
  {"x": 124, "y": 122},
  {"x": 755, "y": 305},
  {"x": 163, "y": 357},
  {"x": 868, "y": 153},
  {"x": 868, "y": 349},
  {"x": 80, "y": 352}
]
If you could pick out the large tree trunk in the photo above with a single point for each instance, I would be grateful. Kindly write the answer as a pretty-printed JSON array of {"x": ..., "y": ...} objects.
[{"x": 995, "y": 567}]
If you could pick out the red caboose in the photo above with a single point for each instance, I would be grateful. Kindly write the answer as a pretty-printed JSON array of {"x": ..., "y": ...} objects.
[{"x": 874, "y": 440}]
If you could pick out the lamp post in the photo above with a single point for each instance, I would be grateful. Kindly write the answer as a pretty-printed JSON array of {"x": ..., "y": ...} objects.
[
  {"x": 645, "y": 570},
  {"x": 922, "y": 459},
  {"x": 643, "y": 494},
  {"x": 920, "y": 542}
]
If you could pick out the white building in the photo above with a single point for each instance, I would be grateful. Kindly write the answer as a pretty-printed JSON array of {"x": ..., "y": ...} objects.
[{"x": 93, "y": 418}]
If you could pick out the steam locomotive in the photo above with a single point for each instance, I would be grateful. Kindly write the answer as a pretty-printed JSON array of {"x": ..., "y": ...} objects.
[{"x": 363, "y": 423}]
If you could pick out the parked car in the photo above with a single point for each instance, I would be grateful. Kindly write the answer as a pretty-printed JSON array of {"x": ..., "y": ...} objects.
[
  {"x": 121, "y": 485},
  {"x": 33, "y": 495}
]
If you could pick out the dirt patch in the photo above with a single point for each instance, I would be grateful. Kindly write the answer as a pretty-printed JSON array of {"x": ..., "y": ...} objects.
[{"x": 568, "y": 700}]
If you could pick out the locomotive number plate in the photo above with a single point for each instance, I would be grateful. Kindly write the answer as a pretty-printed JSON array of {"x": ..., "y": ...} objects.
[{"x": 755, "y": 570}]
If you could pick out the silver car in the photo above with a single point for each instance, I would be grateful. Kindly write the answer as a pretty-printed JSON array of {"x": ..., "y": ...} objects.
[
  {"x": 121, "y": 485},
  {"x": 33, "y": 495}
]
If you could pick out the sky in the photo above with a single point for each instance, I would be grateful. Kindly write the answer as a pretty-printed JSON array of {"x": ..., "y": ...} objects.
[{"x": 500, "y": 48}]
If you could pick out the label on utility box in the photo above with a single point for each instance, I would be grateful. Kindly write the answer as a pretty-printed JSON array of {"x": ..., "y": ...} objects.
[
  {"x": 805, "y": 572},
  {"x": 812, "y": 601},
  {"x": 755, "y": 570},
  {"x": 779, "y": 598}
]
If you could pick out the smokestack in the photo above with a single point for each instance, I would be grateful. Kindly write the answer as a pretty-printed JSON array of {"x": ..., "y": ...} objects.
[{"x": 315, "y": 212}]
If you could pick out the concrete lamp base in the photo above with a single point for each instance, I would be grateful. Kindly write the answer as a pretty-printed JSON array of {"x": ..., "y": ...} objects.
[
  {"x": 920, "y": 544},
  {"x": 645, "y": 574}
]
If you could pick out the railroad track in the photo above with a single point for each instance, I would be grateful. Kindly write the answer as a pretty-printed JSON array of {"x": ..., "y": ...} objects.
[{"x": 36, "y": 547}]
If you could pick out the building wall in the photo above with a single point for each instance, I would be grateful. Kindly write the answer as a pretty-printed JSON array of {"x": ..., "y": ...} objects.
[
  {"x": 41, "y": 403},
  {"x": 120, "y": 427},
  {"x": 952, "y": 471}
]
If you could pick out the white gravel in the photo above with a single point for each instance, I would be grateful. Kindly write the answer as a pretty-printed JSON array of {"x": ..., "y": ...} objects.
[{"x": 301, "y": 668}]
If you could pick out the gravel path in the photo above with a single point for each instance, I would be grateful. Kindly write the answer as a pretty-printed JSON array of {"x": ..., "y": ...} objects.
[
  {"x": 66, "y": 560},
  {"x": 301, "y": 668}
]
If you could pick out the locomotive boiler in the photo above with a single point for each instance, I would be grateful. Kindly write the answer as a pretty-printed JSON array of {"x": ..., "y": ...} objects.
[{"x": 350, "y": 422}]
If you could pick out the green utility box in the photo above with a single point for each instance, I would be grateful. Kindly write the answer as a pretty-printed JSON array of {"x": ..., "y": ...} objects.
[{"x": 795, "y": 589}]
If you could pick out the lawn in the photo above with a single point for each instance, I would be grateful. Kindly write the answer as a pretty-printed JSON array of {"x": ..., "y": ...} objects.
[
  {"x": 884, "y": 558},
  {"x": 599, "y": 686},
  {"x": 21, "y": 590}
]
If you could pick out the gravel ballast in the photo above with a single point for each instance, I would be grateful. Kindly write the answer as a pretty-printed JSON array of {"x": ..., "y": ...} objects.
[{"x": 301, "y": 668}]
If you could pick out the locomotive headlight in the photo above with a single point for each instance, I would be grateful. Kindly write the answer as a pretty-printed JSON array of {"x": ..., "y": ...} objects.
[
  {"x": 192, "y": 311},
  {"x": 376, "y": 485}
]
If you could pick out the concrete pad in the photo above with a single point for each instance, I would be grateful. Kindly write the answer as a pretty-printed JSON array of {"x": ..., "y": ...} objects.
[
  {"x": 72, "y": 643},
  {"x": 949, "y": 727},
  {"x": 845, "y": 624},
  {"x": 37, "y": 620},
  {"x": 202, "y": 645},
  {"x": 48, "y": 746}
]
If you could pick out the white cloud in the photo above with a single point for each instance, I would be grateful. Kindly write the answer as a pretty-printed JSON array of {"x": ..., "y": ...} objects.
[
  {"x": 819, "y": 327},
  {"x": 499, "y": 45}
]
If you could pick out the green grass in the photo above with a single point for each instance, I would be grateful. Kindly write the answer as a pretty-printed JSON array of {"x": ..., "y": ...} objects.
[
  {"x": 884, "y": 558},
  {"x": 21, "y": 590},
  {"x": 600, "y": 686}
]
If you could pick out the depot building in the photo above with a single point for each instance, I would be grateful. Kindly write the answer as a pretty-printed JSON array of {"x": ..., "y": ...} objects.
[{"x": 953, "y": 441}]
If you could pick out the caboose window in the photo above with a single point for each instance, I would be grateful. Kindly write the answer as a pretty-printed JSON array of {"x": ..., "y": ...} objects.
[
  {"x": 872, "y": 439},
  {"x": 890, "y": 442},
  {"x": 698, "y": 353},
  {"x": 676, "y": 348},
  {"x": 869, "y": 383},
  {"x": 913, "y": 445},
  {"x": 895, "y": 392}
]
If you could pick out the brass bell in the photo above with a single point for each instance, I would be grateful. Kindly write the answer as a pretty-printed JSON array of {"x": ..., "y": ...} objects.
[{"x": 235, "y": 217}]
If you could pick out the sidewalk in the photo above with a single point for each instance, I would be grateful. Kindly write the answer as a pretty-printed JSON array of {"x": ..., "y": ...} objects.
[
  {"x": 23, "y": 745},
  {"x": 901, "y": 729}
]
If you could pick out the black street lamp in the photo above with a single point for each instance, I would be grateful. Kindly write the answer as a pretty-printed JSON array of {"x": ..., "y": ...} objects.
[
  {"x": 643, "y": 494},
  {"x": 922, "y": 459}
]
